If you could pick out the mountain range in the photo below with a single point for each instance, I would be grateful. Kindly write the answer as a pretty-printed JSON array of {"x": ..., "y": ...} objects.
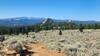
[
  {"x": 24, "y": 21},
  {"x": 20, "y": 21}
]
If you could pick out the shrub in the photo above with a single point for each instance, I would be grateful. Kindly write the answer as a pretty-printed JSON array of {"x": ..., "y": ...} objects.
[
  {"x": 2, "y": 38},
  {"x": 60, "y": 32},
  {"x": 81, "y": 27},
  {"x": 16, "y": 46}
]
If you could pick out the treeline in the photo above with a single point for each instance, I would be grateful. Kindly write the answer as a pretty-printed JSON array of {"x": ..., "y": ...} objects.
[
  {"x": 49, "y": 25},
  {"x": 14, "y": 30}
]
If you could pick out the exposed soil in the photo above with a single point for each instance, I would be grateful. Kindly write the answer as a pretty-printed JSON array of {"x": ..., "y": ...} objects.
[{"x": 34, "y": 50}]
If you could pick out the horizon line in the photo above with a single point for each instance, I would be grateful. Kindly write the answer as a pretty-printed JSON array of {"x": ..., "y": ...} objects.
[{"x": 45, "y": 18}]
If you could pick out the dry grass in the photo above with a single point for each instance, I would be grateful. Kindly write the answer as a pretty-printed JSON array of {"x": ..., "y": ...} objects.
[{"x": 71, "y": 42}]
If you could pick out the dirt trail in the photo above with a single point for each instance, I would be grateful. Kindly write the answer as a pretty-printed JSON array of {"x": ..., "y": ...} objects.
[
  {"x": 42, "y": 50},
  {"x": 37, "y": 50}
]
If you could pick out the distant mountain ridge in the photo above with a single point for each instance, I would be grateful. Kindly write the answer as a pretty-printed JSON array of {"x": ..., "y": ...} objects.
[
  {"x": 21, "y": 21},
  {"x": 24, "y": 21}
]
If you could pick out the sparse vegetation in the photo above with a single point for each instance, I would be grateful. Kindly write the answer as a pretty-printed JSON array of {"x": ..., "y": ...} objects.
[{"x": 78, "y": 44}]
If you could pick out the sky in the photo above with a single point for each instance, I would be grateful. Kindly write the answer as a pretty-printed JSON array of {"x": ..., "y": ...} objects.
[{"x": 57, "y": 9}]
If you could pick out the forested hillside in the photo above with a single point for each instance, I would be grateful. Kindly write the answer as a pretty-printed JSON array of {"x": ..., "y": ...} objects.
[{"x": 47, "y": 24}]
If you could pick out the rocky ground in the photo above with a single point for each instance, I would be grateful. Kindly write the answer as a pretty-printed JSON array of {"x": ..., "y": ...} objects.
[{"x": 70, "y": 43}]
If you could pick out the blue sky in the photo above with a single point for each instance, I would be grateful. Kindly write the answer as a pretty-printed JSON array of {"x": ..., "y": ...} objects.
[{"x": 58, "y": 9}]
